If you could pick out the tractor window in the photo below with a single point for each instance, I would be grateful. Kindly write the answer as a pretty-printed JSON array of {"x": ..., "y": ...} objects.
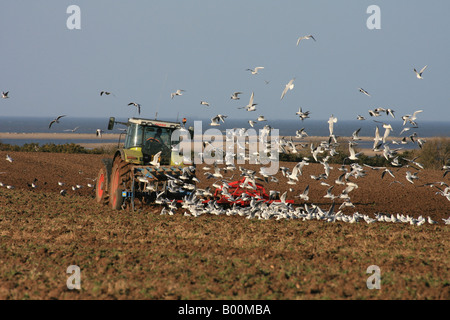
[
  {"x": 161, "y": 134},
  {"x": 134, "y": 136}
]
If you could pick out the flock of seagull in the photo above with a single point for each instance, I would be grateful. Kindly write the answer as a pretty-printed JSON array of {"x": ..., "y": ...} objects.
[{"x": 321, "y": 152}]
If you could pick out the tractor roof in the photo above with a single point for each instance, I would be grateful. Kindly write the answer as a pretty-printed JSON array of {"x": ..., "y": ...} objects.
[{"x": 153, "y": 122}]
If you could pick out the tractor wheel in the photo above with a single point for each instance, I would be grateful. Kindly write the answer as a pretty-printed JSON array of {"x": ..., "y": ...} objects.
[
  {"x": 120, "y": 174},
  {"x": 102, "y": 183}
]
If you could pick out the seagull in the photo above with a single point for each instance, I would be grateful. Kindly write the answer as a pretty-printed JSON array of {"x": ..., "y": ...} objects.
[
  {"x": 353, "y": 154},
  {"x": 410, "y": 177},
  {"x": 72, "y": 130},
  {"x": 301, "y": 114},
  {"x": 289, "y": 86},
  {"x": 305, "y": 38},
  {"x": 5, "y": 95},
  {"x": 360, "y": 117},
  {"x": 99, "y": 133},
  {"x": 137, "y": 105},
  {"x": 364, "y": 91},
  {"x": 331, "y": 123},
  {"x": 8, "y": 158},
  {"x": 177, "y": 93},
  {"x": 419, "y": 74},
  {"x": 155, "y": 161},
  {"x": 105, "y": 92},
  {"x": 251, "y": 123},
  {"x": 204, "y": 103},
  {"x": 251, "y": 106},
  {"x": 304, "y": 195},
  {"x": 234, "y": 96},
  {"x": 55, "y": 121},
  {"x": 255, "y": 71},
  {"x": 355, "y": 134},
  {"x": 216, "y": 120},
  {"x": 261, "y": 118}
]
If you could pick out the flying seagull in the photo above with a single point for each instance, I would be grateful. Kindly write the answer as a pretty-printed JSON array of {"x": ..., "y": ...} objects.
[
  {"x": 177, "y": 93},
  {"x": 106, "y": 93},
  {"x": 55, "y": 121},
  {"x": 255, "y": 71},
  {"x": 234, "y": 96},
  {"x": 289, "y": 86},
  {"x": 204, "y": 103},
  {"x": 5, "y": 95},
  {"x": 305, "y": 38},
  {"x": 137, "y": 105},
  {"x": 364, "y": 91},
  {"x": 72, "y": 130},
  {"x": 99, "y": 133},
  {"x": 251, "y": 106},
  {"x": 419, "y": 74}
]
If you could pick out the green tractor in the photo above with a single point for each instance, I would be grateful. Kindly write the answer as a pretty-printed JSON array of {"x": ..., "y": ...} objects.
[{"x": 148, "y": 164}]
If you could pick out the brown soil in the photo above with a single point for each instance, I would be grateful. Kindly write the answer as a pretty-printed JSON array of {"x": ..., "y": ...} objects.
[{"x": 143, "y": 255}]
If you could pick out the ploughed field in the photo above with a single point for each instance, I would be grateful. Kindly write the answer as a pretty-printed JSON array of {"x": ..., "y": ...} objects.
[{"x": 145, "y": 255}]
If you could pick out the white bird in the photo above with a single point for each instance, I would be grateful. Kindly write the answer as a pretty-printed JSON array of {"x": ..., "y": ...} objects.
[
  {"x": 411, "y": 176},
  {"x": 5, "y": 95},
  {"x": 8, "y": 158},
  {"x": 156, "y": 160},
  {"x": 251, "y": 123},
  {"x": 353, "y": 154},
  {"x": 234, "y": 96},
  {"x": 99, "y": 133},
  {"x": 55, "y": 121},
  {"x": 355, "y": 134},
  {"x": 305, "y": 38},
  {"x": 72, "y": 130},
  {"x": 255, "y": 71},
  {"x": 331, "y": 123},
  {"x": 250, "y": 106},
  {"x": 360, "y": 117},
  {"x": 304, "y": 195},
  {"x": 179, "y": 92},
  {"x": 289, "y": 86},
  {"x": 216, "y": 120},
  {"x": 419, "y": 74},
  {"x": 204, "y": 103},
  {"x": 137, "y": 105},
  {"x": 261, "y": 118}
]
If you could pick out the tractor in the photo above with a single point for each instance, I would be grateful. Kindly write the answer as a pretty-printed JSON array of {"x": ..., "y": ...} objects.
[{"x": 144, "y": 167}]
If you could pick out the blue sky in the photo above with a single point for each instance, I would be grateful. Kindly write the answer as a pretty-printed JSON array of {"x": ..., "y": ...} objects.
[{"x": 142, "y": 51}]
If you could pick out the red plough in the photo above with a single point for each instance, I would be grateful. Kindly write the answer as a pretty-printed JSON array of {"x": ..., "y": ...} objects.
[{"x": 242, "y": 195}]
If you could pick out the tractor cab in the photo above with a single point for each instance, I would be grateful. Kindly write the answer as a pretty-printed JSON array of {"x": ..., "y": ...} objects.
[{"x": 145, "y": 138}]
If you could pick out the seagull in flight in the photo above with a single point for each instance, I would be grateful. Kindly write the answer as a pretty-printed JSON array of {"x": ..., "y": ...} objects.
[
  {"x": 106, "y": 93},
  {"x": 360, "y": 117},
  {"x": 99, "y": 133},
  {"x": 251, "y": 106},
  {"x": 364, "y": 91},
  {"x": 331, "y": 123},
  {"x": 419, "y": 74},
  {"x": 137, "y": 105},
  {"x": 234, "y": 96},
  {"x": 204, "y": 103},
  {"x": 255, "y": 71},
  {"x": 8, "y": 158},
  {"x": 177, "y": 93},
  {"x": 216, "y": 120},
  {"x": 305, "y": 38},
  {"x": 55, "y": 121},
  {"x": 72, "y": 130},
  {"x": 5, "y": 95},
  {"x": 289, "y": 86}
]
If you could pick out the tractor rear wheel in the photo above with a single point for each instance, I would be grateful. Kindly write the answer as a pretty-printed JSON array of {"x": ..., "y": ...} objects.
[
  {"x": 120, "y": 174},
  {"x": 102, "y": 182}
]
